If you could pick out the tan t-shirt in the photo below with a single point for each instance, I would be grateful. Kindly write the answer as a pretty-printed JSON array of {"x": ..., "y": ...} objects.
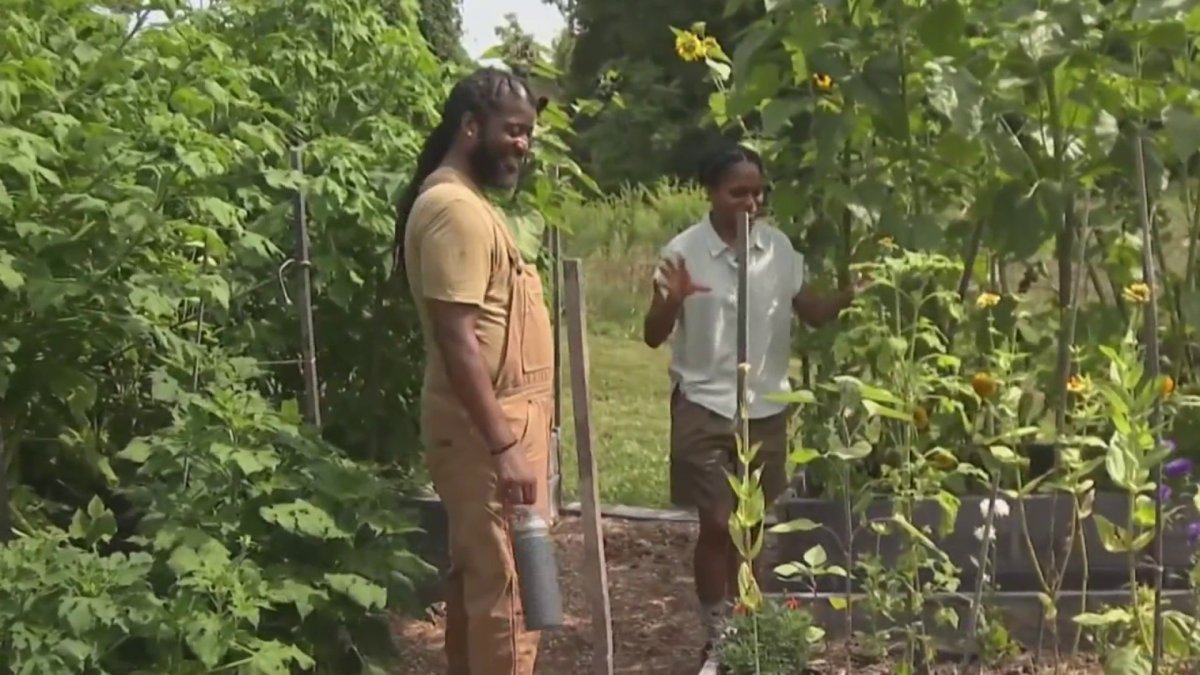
[{"x": 456, "y": 249}]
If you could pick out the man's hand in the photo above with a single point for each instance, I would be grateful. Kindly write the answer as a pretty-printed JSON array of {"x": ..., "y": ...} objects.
[
  {"x": 677, "y": 281},
  {"x": 515, "y": 478}
]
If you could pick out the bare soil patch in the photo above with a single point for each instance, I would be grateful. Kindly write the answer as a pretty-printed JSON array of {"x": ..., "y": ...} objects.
[{"x": 656, "y": 626}]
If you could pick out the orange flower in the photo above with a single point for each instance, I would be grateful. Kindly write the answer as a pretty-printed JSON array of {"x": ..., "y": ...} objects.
[
  {"x": 792, "y": 603},
  {"x": 741, "y": 609},
  {"x": 822, "y": 81},
  {"x": 1167, "y": 386},
  {"x": 983, "y": 384},
  {"x": 1077, "y": 384}
]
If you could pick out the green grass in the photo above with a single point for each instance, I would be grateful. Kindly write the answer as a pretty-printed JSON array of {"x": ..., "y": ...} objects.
[
  {"x": 617, "y": 239},
  {"x": 631, "y": 423}
]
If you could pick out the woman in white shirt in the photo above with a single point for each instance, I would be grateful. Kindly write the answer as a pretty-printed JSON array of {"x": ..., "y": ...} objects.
[{"x": 695, "y": 305}]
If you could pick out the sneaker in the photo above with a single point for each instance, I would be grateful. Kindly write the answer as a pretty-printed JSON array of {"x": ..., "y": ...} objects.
[{"x": 715, "y": 620}]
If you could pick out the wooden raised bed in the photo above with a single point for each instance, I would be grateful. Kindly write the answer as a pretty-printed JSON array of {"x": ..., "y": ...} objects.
[
  {"x": 1021, "y": 613},
  {"x": 1048, "y": 517}
]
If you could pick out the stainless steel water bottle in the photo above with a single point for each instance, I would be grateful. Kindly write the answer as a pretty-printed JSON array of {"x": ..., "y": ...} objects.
[{"x": 537, "y": 574}]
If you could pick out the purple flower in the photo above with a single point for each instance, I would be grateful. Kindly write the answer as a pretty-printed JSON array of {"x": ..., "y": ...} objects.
[
  {"x": 1193, "y": 533},
  {"x": 1168, "y": 445},
  {"x": 1164, "y": 493},
  {"x": 1178, "y": 468}
]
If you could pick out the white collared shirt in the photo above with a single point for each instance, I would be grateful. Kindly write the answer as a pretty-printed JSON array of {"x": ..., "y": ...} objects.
[{"x": 704, "y": 342}]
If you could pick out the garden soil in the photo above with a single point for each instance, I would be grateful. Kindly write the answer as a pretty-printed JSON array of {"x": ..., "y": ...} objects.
[{"x": 656, "y": 629}]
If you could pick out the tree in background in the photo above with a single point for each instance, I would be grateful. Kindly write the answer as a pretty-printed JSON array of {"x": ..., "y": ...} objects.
[
  {"x": 616, "y": 48},
  {"x": 518, "y": 49},
  {"x": 440, "y": 22}
]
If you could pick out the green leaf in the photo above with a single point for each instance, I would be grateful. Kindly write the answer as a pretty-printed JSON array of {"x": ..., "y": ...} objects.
[
  {"x": 941, "y": 27},
  {"x": 298, "y": 594},
  {"x": 303, "y": 517},
  {"x": 859, "y": 450},
  {"x": 789, "y": 570},
  {"x": 364, "y": 593},
  {"x": 815, "y": 556},
  {"x": 1157, "y": 10},
  {"x": 1108, "y": 618},
  {"x": 878, "y": 395},
  {"x": 1182, "y": 127},
  {"x": 797, "y": 525},
  {"x": 797, "y": 396},
  {"x": 276, "y": 658},
  {"x": 255, "y": 461},
  {"x": 527, "y": 229},
  {"x": 1005, "y": 455},
  {"x": 1117, "y": 539},
  {"x": 956, "y": 94},
  {"x": 916, "y": 534},
  {"x": 138, "y": 451},
  {"x": 876, "y": 409},
  {"x": 1127, "y": 660},
  {"x": 778, "y": 114},
  {"x": 95, "y": 525},
  {"x": 209, "y": 637},
  {"x": 1121, "y": 468},
  {"x": 10, "y": 278}
]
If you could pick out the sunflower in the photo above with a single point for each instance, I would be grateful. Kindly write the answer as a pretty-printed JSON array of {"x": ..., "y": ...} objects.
[
  {"x": 1137, "y": 293},
  {"x": 983, "y": 384},
  {"x": 1167, "y": 386},
  {"x": 942, "y": 459},
  {"x": 689, "y": 46},
  {"x": 920, "y": 417},
  {"x": 986, "y": 300},
  {"x": 822, "y": 81}
]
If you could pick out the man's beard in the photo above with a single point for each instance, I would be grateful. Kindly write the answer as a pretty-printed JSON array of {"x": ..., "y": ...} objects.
[{"x": 487, "y": 166}]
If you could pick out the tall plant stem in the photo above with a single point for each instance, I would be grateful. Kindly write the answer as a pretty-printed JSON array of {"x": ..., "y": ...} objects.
[{"x": 1150, "y": 336}]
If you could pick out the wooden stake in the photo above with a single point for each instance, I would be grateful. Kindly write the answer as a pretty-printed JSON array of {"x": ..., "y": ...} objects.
[
  {"x": 595, "y": 573},
  {"x": 555, "y": 481},
  {"x": 743, "y": 324}
]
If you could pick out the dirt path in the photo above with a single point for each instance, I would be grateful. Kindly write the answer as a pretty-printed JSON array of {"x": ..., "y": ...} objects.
[
  {"x": 656, "y": 630},
  {"x": 655, "y": 626}
]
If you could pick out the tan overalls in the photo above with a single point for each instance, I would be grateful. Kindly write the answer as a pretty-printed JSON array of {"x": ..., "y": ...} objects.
[{"x": 484, "y": 622}]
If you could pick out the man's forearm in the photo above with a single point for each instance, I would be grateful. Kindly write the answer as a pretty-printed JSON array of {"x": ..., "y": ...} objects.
[
  {"x": 469, "y": 380},
  {"x": 660, "y": 321}
]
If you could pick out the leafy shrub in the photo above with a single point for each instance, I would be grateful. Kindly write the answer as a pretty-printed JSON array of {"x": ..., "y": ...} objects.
[
  {"x": 145, "y": 195},
  {"x": 778, "y": 639},
  {"x": 256, "y": 546}
]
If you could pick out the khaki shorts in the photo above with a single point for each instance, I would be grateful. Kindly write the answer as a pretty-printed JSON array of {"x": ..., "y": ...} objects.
[{"x": 704, "y": 451}]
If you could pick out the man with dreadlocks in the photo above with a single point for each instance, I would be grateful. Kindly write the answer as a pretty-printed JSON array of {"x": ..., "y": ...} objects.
[{"x": 486, "y": 401}]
